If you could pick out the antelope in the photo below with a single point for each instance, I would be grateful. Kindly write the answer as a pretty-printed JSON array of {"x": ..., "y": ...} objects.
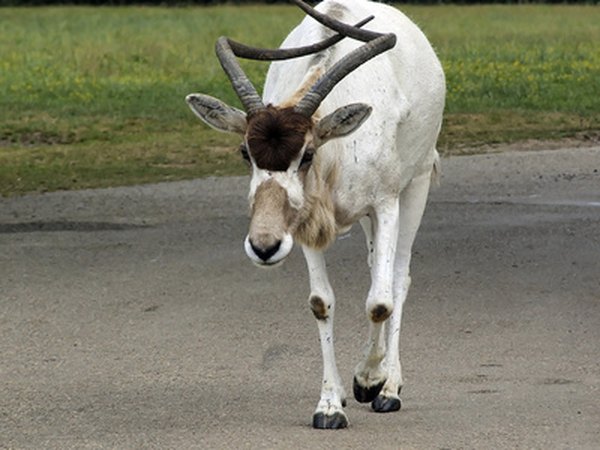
[{"x": 333, "y": 141}]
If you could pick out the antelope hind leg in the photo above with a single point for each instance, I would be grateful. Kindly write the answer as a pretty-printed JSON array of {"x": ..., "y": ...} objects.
[{"x": 412, "y": 206}]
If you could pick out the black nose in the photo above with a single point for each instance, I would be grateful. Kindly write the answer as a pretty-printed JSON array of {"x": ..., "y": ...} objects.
[{"x": 265, "y": 253}]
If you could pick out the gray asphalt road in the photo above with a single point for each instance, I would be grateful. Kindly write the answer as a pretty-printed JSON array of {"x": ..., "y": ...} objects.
[{"x": 131, "y": 318}]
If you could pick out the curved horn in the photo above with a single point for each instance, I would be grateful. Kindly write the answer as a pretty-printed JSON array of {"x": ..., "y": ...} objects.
[
  {"x": 376, "y": 43},
  {"x": 341, "y": 27},
  {"x": 227, "y": 49},
  {"x": 263, "y": 54},
  {"x": 313, "y": 98},
  {"x": 242, "y": 86}
]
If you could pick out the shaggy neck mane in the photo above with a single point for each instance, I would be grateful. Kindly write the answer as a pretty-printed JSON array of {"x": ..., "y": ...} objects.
[{"x": 316, "y": 226}]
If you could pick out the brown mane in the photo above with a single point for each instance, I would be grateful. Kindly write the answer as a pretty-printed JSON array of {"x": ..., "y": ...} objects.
[{"x": 276, "y": 136}]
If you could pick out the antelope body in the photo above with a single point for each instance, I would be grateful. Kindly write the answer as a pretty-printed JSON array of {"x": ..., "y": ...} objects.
[{"x": 335, "y": 140}]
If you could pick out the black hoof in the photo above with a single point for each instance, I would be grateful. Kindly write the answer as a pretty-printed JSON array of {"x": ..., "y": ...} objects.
[
  {"x": 386, "y": 404},
  {"x": 324, "y": 422},
  {"x": 363, "y": 394}
]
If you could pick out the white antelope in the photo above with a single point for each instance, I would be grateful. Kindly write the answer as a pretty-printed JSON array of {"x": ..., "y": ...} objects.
[{"x": 334, "y": 141}]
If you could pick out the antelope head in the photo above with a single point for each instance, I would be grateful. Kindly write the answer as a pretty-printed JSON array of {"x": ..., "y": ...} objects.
[{"x": 280, "y": 142}]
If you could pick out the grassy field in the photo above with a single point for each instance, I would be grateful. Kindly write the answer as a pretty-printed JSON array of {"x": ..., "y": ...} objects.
[{"x": 93, "y": 97}]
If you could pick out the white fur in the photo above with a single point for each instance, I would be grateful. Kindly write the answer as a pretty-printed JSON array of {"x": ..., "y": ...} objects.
[
  {"x": 380, "y": 175},
  {"x": 384, "y": 169}
]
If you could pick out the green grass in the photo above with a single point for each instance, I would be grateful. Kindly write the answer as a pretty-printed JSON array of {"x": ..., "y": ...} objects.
[{"x": 94, "y": 96}]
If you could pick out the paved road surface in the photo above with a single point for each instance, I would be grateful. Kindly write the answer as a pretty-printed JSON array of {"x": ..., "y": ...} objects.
[{"x": 131, "y": 318}]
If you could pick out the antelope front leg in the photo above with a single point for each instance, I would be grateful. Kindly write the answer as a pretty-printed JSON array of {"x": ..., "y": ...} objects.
[
  {"x": 329, "y": 412},
  {"x": 370, "y": 374}
]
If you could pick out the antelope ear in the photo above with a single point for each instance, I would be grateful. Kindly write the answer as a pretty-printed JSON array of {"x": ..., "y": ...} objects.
[
  {"x": 341, "y": 122},
  {"x": 217, "y": 114}
]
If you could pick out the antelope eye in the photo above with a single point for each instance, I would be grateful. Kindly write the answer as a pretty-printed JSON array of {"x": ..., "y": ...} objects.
[
  {"x": 244, "y": 153},
  {"x": 307, "y": 159}
]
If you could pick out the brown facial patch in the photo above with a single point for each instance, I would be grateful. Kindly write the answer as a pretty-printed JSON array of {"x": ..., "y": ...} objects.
[
  {"x": 271, "y": 214},
  {"x": 276, "y": 136}
]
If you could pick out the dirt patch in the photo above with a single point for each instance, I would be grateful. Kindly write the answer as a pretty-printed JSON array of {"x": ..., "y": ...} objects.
[
  {"x": 584, "y": 139},
  {"x": 35, "y": 138}
]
